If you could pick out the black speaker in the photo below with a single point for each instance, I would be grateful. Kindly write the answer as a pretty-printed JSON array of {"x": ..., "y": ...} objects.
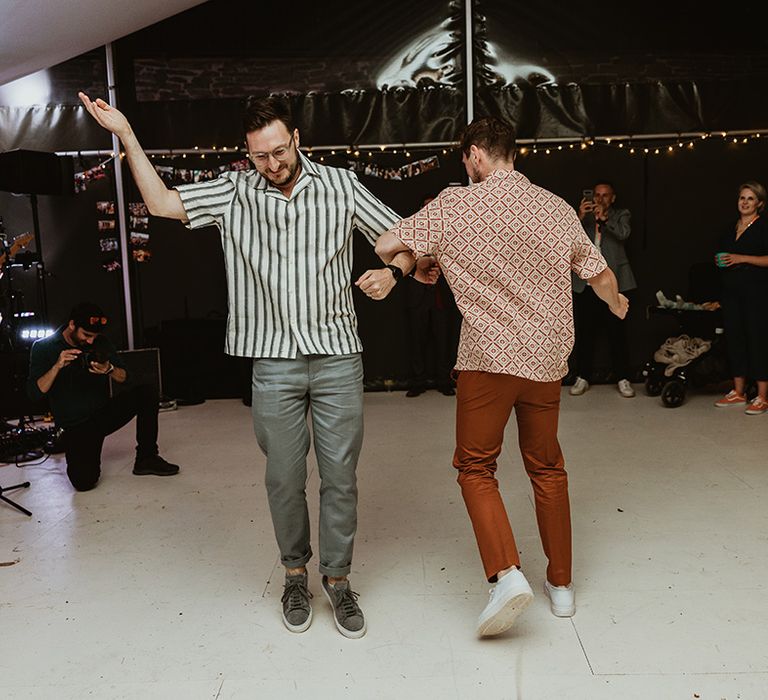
[
  {"x": 195, "y": 365},
  {"x": 143, "y": 367},
  {"x": 36, "y": 172}
]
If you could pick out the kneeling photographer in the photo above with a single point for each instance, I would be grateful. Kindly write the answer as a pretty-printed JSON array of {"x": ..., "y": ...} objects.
[{"x": 72, "y": 367}]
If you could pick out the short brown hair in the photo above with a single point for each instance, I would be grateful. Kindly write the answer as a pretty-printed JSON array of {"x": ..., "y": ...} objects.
[
  {"x": 759, "y": 192},
  {"x": 262, "y": 111},
  {"x": 493, "y": 135}
]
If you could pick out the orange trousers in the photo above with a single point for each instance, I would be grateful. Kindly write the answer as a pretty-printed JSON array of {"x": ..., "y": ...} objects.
[{"x": 484, "y": 404}]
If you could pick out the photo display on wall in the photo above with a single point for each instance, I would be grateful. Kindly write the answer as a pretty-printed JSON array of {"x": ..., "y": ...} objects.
[
  {"x": 138, "y": 225},
  {"x": 108, "y": 242}
]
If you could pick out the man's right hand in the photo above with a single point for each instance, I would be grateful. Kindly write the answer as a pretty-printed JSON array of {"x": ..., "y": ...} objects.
[
  {"x": 159, "y": 199},
  {"x": 67, "y": 357},
  {"x": 109, "y": 117},
  {"x": 586, "y": 207},
  {"x": 622, "y": 308}
]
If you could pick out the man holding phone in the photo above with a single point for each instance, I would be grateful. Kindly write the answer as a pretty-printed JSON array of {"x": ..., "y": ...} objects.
[{"x": 608, "y": 227}]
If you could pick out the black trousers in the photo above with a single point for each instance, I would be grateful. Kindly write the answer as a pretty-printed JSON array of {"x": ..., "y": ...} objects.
[
  {"x": 745, "y": 312},
  {"x": 429, "y": 329},
  {"x": 83, "y": 442},
  {"x": 593, "y": 319}
]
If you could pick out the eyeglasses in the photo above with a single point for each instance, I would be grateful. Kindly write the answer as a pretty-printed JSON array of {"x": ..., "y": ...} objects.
[
  {"x": 280, "y": 153},
  {"x": 97, "y": 321}
]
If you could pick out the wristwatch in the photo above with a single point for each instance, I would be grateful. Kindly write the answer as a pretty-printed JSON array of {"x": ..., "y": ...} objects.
[{"x": 397, "y": 273}]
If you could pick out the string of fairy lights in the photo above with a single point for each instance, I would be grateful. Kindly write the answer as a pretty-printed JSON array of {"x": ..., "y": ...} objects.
[
  {"x": 656, "y": 144},
  {"x": 644, "y": 145}
]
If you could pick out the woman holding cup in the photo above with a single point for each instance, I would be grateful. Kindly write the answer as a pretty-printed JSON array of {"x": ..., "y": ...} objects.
[{"x": 744, "y": 265}]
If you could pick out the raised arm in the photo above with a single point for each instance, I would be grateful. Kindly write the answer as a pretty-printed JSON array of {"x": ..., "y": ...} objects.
[
  {"x": 39, "y": 385},
  {"x": 160, "y": 200}
]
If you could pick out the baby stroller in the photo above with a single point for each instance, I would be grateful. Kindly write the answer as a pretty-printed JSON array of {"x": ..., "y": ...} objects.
[{"x": 694, "y": 358}]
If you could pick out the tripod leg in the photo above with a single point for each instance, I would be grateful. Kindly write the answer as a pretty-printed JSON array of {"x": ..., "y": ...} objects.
[{"x": 13, "y": 503}]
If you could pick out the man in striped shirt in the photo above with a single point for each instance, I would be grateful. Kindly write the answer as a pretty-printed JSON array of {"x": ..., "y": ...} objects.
[
  {"x": 507, "y": 249},
  {"x": 286, "y": 230}
]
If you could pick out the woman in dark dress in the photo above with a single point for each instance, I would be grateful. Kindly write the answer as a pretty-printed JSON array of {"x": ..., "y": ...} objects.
[{"x": 743, "y": 259}]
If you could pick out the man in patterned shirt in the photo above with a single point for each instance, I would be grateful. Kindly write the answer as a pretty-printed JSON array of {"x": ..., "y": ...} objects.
[
  {"x": 507, "y": 249},
  {"x": 286, "y": 230}
]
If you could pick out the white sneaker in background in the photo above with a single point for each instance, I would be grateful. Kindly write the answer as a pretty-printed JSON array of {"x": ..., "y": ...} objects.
[
  {"x": 625, "y": 389},
  {"x": 579, "y": 387},
  {"x": 509, "y": 597}
]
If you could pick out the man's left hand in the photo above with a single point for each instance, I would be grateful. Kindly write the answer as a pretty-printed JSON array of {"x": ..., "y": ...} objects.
[
  {"x": 100, "y": 367},
  {"x": 427, "y": 274},
  {"x": 376, "y": 284}
]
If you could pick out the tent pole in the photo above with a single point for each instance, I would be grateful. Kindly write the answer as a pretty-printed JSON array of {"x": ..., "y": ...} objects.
[
  {"x": 120, "y": 190},
  {"x": 469, "y": 74}
]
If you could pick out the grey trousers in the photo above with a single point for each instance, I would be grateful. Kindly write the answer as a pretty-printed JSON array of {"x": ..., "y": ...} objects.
[{"x": 283, "y": 392}]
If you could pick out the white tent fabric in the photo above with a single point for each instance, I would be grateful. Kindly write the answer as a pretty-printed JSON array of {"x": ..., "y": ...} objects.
[{"x": 38, "y": 34}]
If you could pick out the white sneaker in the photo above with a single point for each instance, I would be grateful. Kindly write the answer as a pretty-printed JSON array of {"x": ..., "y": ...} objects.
[
  {"x": 579, "y": 387},
  {"x": 625, "y": 389},
  {"x": 509, "y": 597},
  {"x": 562, "y": 599}
]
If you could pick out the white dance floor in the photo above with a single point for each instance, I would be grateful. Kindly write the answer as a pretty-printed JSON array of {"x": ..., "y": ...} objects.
[{"x": 169, "y": 588}]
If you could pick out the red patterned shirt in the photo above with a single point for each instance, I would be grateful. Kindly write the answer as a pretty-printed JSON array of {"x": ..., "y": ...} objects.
[{"x": 507, "y": 248}]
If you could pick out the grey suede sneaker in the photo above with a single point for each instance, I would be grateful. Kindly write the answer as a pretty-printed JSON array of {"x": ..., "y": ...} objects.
[
  {"x": 297, "y": 612},
  {"x": 346, "y": 612}
]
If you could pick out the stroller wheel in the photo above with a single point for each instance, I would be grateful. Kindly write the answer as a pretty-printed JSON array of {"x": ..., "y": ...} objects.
[
  {"x": 673, "y": 394},
  {"x": 653, "y": 386}
]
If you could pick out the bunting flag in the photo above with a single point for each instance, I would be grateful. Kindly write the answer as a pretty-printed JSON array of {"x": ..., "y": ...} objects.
[
  {"x": 389, "y": 173},
  {"x": 172, "y": 175},
  {"x": 97, "y": 172}
]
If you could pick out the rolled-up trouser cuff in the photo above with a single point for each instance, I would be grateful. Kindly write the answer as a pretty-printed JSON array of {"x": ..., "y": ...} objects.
[
  {"x": 297, "y": 563},
  {"x": 335, "y": 572}
]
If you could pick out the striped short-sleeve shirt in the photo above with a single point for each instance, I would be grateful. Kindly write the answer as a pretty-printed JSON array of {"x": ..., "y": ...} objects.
[{"x": 288, "y": 261}]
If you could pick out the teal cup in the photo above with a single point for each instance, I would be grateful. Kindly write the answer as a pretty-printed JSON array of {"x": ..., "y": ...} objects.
[{"x": 720, "y": 259}]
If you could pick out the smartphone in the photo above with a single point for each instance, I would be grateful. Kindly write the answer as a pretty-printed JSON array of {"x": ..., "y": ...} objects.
[{"x": 588, "y": 195}]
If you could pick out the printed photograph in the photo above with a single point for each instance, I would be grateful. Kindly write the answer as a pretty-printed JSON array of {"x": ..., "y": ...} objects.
[
  {"x": 167, "y": 174},
  {"x": 111, "y": 265},
  {"x": 108, "y": 244},
  {"x": 139, "y": 223},
  {"x": 138, "y": 209},
  {"x": 139, "y": 239},
  {"x": 141, "y": 255}
]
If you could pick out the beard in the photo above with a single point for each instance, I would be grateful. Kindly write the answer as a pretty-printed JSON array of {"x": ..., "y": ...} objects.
[{"x": 285, "y": 175}]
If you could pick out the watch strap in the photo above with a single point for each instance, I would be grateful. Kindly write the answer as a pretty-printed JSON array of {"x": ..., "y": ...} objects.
[{"x": 397, "y": 273}]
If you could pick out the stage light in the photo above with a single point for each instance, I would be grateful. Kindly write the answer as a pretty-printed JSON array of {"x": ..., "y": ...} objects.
[
  {"x": 28, "y": 328},
  {"x": 35, "y": 333}
]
